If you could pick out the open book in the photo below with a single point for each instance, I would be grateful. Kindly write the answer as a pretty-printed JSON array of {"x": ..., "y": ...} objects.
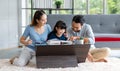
[{"x": 58, "y": 42}]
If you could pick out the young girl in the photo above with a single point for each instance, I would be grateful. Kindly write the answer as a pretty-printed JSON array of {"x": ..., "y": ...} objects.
[{"x": 59, "y": 31}]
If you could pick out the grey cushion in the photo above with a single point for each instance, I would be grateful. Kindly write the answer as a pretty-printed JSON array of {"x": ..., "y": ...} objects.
[
  {"x": 104, "y": 23},
  {"x": 107, "y": 35}
]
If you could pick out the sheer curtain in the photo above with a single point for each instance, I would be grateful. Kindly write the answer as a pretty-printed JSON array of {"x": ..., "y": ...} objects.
[{"x": 42, "y": 3}]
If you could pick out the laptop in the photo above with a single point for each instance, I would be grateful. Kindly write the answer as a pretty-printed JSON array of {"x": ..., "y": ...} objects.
[{"x": 55, "y": 56}]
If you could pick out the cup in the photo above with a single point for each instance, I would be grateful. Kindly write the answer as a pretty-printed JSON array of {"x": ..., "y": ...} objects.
[{"x": 81, "y": 41}]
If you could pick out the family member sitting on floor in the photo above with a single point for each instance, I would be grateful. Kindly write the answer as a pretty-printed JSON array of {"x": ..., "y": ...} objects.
[
  {"x": 37, "y": 33},
  {"x": 81, "y": 29},
  {"x": 59, "y": 31}
]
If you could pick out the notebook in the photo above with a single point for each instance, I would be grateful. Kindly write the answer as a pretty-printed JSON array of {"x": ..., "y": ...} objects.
[{"x": 58, "y": 42}]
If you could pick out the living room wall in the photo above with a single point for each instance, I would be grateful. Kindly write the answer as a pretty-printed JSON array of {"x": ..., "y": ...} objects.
[{"x": 8, "y": 23}]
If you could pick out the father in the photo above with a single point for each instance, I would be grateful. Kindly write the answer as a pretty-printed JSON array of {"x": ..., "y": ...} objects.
[{"x": 81, "y": 29}]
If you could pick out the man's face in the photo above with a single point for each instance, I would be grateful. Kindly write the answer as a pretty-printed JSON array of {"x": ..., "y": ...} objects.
[{"x": 76, "y": 27}]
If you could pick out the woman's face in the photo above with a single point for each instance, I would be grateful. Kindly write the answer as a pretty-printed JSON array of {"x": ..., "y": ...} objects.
[
  {"x": 60, "y": 31},
  {"x": 42, "y": 21}
]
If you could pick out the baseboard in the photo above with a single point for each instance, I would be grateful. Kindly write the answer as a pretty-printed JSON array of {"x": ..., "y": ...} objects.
[{"x": 4, "y": 48}]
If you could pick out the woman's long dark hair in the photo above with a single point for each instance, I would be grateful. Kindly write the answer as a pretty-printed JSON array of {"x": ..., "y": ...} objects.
[{"x": 37, "y": 16}]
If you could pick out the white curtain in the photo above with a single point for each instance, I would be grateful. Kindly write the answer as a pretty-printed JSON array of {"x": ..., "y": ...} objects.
[
  {"x": 67, "y": 3},
  {"x": 42, "y": 3}
]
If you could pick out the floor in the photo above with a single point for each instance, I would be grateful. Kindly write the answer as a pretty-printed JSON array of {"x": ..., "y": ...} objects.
[{"x": 8, "y": 53}]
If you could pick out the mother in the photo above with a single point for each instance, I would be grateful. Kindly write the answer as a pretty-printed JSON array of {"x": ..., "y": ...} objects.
[{"x": 37, "y": 33}]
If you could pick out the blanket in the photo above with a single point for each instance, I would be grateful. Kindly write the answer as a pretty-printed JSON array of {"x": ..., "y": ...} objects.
[{"x": 112, "y": 65}]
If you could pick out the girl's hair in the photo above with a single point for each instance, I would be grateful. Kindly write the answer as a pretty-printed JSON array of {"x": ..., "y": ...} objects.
[
  {"x": 59, "y": 24},
  {"x": 37, "y": 16}
]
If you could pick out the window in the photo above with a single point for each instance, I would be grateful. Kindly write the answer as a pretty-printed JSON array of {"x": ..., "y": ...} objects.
[
  {"x": 96, "y": 7},
  {"x": 28, "y": 7},
  {"x": 80, "y": 7},
  {"x": 113, "y": 6}
]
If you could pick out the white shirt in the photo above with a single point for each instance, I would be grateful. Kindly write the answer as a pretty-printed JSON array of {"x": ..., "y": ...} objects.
[{"x": 86, "y": 31}]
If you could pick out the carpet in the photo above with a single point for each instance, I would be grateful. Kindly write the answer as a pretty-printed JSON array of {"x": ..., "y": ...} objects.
[{"x": 112, "y": 65}]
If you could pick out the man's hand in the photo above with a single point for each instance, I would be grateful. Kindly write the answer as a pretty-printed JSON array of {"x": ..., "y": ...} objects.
[
  {"x": 86, "y": 40},
  {"x": 72, "y": 38}
]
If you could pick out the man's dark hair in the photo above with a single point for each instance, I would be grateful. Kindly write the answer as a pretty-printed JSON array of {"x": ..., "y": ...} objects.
[{"x": 78, "y": 19}]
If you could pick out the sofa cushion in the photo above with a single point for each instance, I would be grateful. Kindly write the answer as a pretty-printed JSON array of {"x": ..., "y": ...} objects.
[
  {"x": 104, "y": 23},
  {"x": 107, "y": 37}
]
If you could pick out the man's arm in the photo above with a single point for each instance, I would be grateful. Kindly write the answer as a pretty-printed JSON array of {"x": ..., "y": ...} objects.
[{"x": 90, "y": 35}]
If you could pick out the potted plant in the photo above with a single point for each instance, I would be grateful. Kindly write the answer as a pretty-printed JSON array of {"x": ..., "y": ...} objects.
[{"x": 58, "y": 3}]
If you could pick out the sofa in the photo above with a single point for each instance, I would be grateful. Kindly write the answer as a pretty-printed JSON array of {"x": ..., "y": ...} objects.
[{"x": 105, "y": 27}]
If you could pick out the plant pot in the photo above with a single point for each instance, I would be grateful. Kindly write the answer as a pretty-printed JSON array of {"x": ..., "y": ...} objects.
[{"x": 58, "y": 6}]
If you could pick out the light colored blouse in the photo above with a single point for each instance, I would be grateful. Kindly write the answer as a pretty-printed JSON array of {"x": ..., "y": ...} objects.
[{"x": 36, "y": 37}]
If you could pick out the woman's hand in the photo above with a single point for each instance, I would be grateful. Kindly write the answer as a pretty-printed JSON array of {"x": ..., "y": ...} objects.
[
  {"x": 23, "y": 41},
  {"x": 29, "y": 42}
]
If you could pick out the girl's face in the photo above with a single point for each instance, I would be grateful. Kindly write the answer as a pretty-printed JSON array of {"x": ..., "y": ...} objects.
[
  {"x": 60, "y": 31},
  {"x": 42, "y": 21}
]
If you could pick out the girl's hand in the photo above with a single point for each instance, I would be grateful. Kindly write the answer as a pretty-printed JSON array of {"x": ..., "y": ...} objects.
[{"x": 66, "y": 35}]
